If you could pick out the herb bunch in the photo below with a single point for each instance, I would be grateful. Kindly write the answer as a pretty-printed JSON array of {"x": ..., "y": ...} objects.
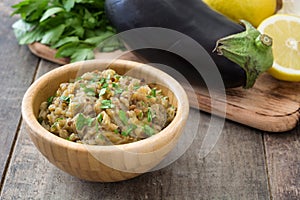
[{"x": 73, "y": 27}]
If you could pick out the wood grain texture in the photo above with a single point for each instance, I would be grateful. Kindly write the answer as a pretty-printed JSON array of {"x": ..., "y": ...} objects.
[
  {"x": 223, "y": 174},
  {"x": 283, "y": 160},
  {"x": 271, "y": 105},
  {"x": 18, "y": 66}
]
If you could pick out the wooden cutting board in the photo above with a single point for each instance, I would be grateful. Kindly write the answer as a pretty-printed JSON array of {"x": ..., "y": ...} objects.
[{"x": 271, "y": 105}]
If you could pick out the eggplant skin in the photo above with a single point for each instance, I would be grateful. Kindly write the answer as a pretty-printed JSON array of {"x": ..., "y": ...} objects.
[{"x": 190, "y": 17}]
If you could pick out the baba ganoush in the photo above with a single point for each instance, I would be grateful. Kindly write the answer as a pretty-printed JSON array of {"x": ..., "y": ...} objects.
[{"x": 105, "y": 108}]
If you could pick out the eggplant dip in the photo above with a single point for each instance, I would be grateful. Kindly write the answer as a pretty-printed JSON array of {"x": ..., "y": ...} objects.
[{"x": 105, "y": 108}]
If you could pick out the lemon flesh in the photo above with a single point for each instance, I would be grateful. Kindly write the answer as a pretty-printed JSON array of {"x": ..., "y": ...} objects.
[
  {"x": 284, "y": 30},
  {"x": 253, "y": 11}
]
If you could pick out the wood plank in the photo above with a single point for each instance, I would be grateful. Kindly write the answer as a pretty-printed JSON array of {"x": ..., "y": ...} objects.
[
  {"x": 235, "y": 169},
  {"x": 283, "y": 160},
  {"x": 18, "y": 66}
]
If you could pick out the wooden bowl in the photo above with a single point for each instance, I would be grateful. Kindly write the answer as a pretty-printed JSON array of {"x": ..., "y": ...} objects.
[{"x": 104, "y": 163}]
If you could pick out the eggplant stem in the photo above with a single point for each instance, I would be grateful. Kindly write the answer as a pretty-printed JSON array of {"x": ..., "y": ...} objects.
[{"x": 249, "y": 49}]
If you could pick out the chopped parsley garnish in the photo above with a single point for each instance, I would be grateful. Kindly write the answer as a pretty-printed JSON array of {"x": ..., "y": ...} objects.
[
  {"x": 49, "y": 100},
  {"x": 118, "y": 91},
  {"x": 102, "y": 80},
  {"x": 117, "y": 76},
  {"x": 106, "y": 104},
  {"x": 102, "y": 91},
  {"x": 148, "y": 130},
  {"x": 149, "y": 115},
  {"x": 136, "y": 86},
  {"x": 89, "y": 91},
  {"x": 123, "y": 117},
  {"x": 65, "y": 99},
  {"x": 78, "y": 78},
  {"x": 128, "y": 130},
  {"x": 100, "y": 117},
  {"x": 115, "y": 85},
  {"x": 153, "y": 92},
  {"x": 82, "y": 121},
  {"x": 58, "y": 119},
  {"x": 105, "y": 85}
]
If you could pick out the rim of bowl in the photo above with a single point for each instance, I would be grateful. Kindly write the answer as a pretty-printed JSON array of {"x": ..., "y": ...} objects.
[{"x": 32, "y": 122}]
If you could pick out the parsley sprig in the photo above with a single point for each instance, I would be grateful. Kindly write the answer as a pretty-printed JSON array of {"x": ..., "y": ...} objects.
[{"x": 73, "y": 27}]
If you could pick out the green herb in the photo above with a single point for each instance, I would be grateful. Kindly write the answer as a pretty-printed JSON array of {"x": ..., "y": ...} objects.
[
  {"x": 49, "y": 100},
  {"x": 102, "y": 80},
  {"x": 116, "y": 131},
  {"x": 117, "y": 76},
  {"x": 136, "y": 86},
  {"x": 97, "y": 127},
  {"x": 123, "y": 117},
  {"x": 118, "y": 91},
  {"x": 74, "y": 27},
  {"x": 124, "y": 133},
  {"x": 106, "y": 104},
  {"x": 82, "y": 85},
  {"x": 54, "y": 126},
  {"x": 129, "y": 130},
  {"x": 102, "y": 91},
  {"x": 100, "y": 117},
  {"x": 148, "y": 130},
  {"x": 65, "y": 98},
  {"x": 153, "y": 92},
  {"x": 78, "y": 78},
  {"x": 95, "y": 78},
  {"x": 90, "y": 91},
  {"x": 149, "y": 115},
  {"x": 82, "y": 121},
  {"x": 58, "y": 119},
  {"x": 141, "y": 114},
  {"x": 105, "y": 85}
]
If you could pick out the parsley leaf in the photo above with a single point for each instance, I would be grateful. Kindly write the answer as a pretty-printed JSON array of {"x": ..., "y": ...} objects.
[
  {"x": 149, "y": 115},
  {"x": 74, "y": 27},
  {"x": 106, "y": 104},
  {"x": 82, "y": 121},
  {"x": 65, "y": 98},
  {"x": 123, "y": 117},
  {"x": 148, "y": 130}
]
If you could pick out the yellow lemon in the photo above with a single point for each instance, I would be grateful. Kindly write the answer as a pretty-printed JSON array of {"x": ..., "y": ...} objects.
[
  {"x": 253, "y": 11},
  {"x": 285, "y": 31}
]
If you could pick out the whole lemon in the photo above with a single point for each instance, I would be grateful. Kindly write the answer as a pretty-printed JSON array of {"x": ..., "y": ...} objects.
[{"x": 253, "y": 11}]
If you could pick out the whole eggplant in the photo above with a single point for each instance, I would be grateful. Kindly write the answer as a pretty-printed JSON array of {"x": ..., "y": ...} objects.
[{"x": 195, "y": 19}]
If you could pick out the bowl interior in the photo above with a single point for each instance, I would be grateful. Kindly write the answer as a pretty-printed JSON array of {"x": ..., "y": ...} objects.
[{"x": 46, "y": 85}]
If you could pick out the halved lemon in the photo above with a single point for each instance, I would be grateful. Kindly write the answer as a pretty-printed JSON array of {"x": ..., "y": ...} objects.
[{"x": 285, "y": 31}]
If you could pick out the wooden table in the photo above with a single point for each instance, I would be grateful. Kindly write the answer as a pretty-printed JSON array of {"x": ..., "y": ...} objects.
[{"x": 244, "y": 164}]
